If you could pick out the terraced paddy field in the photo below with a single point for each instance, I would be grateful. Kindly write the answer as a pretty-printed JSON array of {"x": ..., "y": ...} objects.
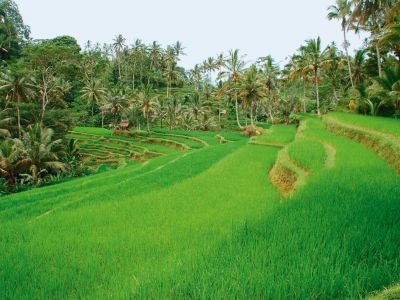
[{"x": 306, "y": 213}]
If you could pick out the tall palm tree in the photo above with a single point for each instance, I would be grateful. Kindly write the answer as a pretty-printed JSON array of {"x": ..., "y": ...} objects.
[
  {"x": 93, "y": 92},
  {"x": 371, "y": 15},
  {"x": 316, "y": 59},
  {"x": 234, "y": 66},
  {"x": 298, "y": 69},
  {"x": 333, "y": 67},
  {"x": 119, "y": 43},
  {"x": 209, "y": 65},
  {"x": 148, "y": 103},
  {"x": 179, "y": 50},
  {"x": 251, "y": 89},
  {"x": 342, "y": 12},
  {"x": 171, "y": 73},
  {"x": 17, "y": 88},
  {"x": 359, "y": 59},
  {"x": 155, "y": 57},
  {"x": 391, "y": 37}
]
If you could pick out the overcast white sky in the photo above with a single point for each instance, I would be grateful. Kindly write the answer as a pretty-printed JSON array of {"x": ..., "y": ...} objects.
[{"x": 205, "y": 27}]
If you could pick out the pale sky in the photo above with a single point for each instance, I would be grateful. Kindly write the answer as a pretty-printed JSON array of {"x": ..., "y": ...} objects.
[{"x": 205, "y": 27}]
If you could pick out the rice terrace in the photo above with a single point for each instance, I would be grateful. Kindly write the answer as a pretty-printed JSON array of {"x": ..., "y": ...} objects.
[{"x": 126, "y": 174}]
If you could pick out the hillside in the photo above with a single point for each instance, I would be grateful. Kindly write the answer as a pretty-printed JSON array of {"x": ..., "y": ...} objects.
[{"x": 203, "y": 219}]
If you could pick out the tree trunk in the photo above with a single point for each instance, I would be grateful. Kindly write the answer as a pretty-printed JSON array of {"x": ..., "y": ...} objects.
[
  {"x": 92, "y": 110},
  {"x": 304, "y": 97},
  {"x": 348, "y": 57},
  {"x": 251, "y": 114},
  {"x": 335, "y": 94},
  {"x": 317, "y": 91},
  {"x": 237, "y": 111},
  {"x": 271, "y": 116},
  {"x": 119, "y": 65},
  {"x": 378, "y": 54},
  {"x": 19, "y": 119}
]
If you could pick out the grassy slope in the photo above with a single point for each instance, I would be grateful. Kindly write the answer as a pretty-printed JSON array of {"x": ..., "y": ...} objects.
[
  {"x": 120, "y": 236},
  {"x": 387, "y": 125},
  {"x": 211, "y": 227},
  {"x": 338, "y": 237}
]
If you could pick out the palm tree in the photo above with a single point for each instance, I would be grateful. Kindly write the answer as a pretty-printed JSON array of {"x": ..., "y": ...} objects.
[
  {"x": 155, "y": 57},
  {"x": 390, "y": 83},
  {"x": 316, "y": 59},
  {"x": 147, "y": 102},
  {"x": 93, "y": 92},
  {"x": 371, "y": 16},
  {"x": 119, "y": 43},
  {"x": 359, "y": 59},
  {"x": 39, "y": 152},
  {"x": 178, "y": 50},
  {"x": 342, "y": 12},
  {"x": 16, "y": 88},
  {"x": 5, "y": 121},
  {"x": 391, "y": 37},
  {"x": 115, "y": 103},
  {"x": 209, "y": 66},
  {"x": 9, "y": 157},
  {"x": 171, "y": 73},
  {"x": 251, "y": 89},
  {"x": 234, "y": 66},
  {"x": 196, "y": 77},
  {"x": 333, "y": 67},
  {"x": 298, "y": 69}
]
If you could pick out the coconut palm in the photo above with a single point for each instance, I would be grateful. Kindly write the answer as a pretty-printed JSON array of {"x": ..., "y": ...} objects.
[
  {"x": 359, "y": 59},
  {"x": 342, "y": 12},
  {"x": 251, "y": 89},
  {"x": 119, "y": 43},
  {"x": 39, "y": 153},
  {"x": 297, "y": 69},
  {"x": 316, "y": 59},
  {"x": 115, "y": 103},
  {"x": 234, "y": 66},
  {"x": 391, "y": 37},
  {"x": 148, "y": 103},
  {"x": 9, "y": 157},
  {"x": 16, "y": 88},
  {"x": 209, "y": 65},
  {"x": 178, "y": 50},
  {"x": 5, "y": 121},
  {"x": 93, "y": 93},
  {"x": 333, "y": 66},
  {"x": 155, "y": 58},
  {"x": 371, "y": 15},
  {"x": 390, "y": 82}
]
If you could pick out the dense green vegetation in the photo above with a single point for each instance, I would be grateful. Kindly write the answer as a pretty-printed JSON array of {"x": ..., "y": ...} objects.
[{"x": 138, "y": 179}]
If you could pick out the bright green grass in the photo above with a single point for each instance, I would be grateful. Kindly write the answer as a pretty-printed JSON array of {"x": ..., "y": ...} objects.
[
  {"x": 278, "y": 134},
  {"x": 112, "y": 150},
  {"x": 207, "y": 136},
  {"x": 336, "y": 238},
  {"x": 208, "y": 224},
  {"x": 387, "y": 125},
  {"x": 94, "y": 130},
  {"x": 157, "y": 173},
  {"x": 309, "y": 154},
  {"x": 117, "y": 241}
]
